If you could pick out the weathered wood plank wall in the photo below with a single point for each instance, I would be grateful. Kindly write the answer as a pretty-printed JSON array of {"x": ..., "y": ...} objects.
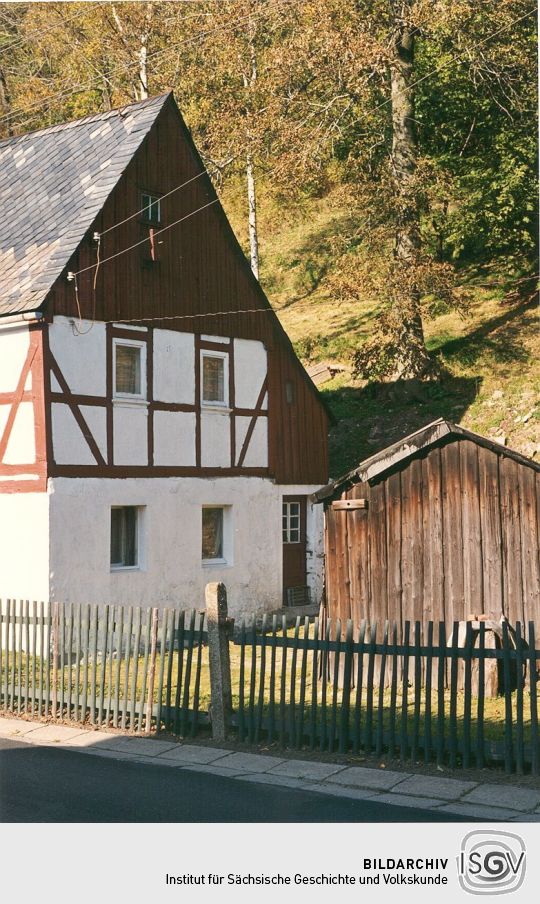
[{"x": 450, "y": 533}]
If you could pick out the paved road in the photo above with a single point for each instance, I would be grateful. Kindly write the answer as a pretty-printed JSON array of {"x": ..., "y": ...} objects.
[{"x": 41, "y": 784}]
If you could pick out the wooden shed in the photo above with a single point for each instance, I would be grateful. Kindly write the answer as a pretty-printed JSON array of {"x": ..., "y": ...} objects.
[{"x": 443, "y": 525}]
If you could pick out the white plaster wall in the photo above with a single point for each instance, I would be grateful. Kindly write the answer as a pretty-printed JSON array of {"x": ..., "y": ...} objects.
[
  {"x": 174, "y": 438},
  {"x": 81, "y": 358},
  {"x": 174, "y": 367},
  {"x": 130, "y": 430},
  {"x": 24, "y": 546},
  {"x": 173, "y": 573},
  {"x": 14, "y": 343},
  {"x": 21, "y": 448},
  {"x": 70, "y": 446},
  {"x": 257, "y": 451},
  {"x": 215, "y": 439},
  {"x": 250, "y": 368}
]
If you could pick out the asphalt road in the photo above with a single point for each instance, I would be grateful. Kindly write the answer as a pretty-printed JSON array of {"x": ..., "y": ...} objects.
[{"x": 42, "y": 784}]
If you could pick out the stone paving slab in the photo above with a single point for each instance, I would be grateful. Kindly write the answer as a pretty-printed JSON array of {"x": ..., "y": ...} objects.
[
  {"x": 142, "y": 746},
  {"x": 90, "y": 739},
  {"x": 362, "y": 777},
  {"x": 54, "y": 734},
  {"x": 351, "y": 793},
  {"x": 504, "y": 796},
  {"x": 426, "y": 786},
  {"x": 250, "y": 762},
  {"x": 307, "y": 769},
  {"x": 10, "y": 727},
  {"x": 408, "y": 800},
  {"x": 281, "y": 781},
  {"x": 184, "y": 754},
  {"x": 110, "y": 754},
  {"x": 477, "y": 811},
  {"x": 212, "y": 769}
]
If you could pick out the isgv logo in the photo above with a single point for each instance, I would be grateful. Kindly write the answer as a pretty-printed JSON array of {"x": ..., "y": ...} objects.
[{"x": 491, "y": 863}]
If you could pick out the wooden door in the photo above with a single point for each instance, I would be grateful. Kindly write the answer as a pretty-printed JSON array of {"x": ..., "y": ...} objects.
[{"x": 294, "y": 546}]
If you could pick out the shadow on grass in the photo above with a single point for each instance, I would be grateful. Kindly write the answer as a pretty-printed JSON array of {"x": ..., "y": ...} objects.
[
  {"x": 501, "y": 337},
  {"x": 372, "y": 417}
]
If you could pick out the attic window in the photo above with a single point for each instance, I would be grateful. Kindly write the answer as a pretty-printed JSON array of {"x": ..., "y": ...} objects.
[{"x": 151, "y": 208}]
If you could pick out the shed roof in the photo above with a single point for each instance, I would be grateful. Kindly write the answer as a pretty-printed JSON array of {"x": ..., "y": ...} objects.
[
  {"x": 53, "y": 184},
  {"x": 432, "y": 434}
]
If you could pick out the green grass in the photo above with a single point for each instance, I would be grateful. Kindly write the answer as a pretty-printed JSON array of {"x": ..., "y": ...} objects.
[{"x": 494, "y": 708}]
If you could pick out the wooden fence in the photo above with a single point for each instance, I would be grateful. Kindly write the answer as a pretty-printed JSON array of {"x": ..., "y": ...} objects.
[
  {"x": 420, "y": 699},
  {"x": 418, "y": 695},
  {"x": 121, "y": 667}
]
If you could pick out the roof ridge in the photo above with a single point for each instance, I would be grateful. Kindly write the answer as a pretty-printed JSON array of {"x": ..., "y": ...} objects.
[{"x": 84, "y": 120}]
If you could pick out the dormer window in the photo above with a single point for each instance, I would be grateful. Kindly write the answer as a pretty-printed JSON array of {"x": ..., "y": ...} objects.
[{"x": 151, "y": 208}]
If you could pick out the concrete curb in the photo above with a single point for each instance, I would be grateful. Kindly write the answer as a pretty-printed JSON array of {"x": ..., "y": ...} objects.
[{"x": 485, "y": 801}]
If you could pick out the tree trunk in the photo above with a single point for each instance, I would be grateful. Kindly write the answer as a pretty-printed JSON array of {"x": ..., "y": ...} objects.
[
  {"x": 143, "y": 53},
  {"x": 252, "y": 212},
  {"x": 412, "y": 357}
]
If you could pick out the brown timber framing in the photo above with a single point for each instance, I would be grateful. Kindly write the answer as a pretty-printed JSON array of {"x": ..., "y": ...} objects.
[
  {"x": 108, "y": 468},
  {"x": 458, "y": 534},
  {"x": 36, "y": 471}
]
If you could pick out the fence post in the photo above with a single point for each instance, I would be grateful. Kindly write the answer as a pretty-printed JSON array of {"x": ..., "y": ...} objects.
[{"x": 218, "y": 654}]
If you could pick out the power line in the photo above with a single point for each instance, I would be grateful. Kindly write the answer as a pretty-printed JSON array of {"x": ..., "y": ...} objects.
[
  {"x": 157, "y": 232},
  {"x": 151, "y": 56},
  {"x": 161, "y": 198}
]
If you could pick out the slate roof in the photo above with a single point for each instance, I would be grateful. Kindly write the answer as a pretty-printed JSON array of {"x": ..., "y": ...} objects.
[
  {"x": 428, "y": 436},
  {"x": 53, "y": 184}
]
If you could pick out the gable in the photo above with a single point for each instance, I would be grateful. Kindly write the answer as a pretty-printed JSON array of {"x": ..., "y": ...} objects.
[
  {"x": 200, "y": 283},
  {"x": 53, "y": 183}
]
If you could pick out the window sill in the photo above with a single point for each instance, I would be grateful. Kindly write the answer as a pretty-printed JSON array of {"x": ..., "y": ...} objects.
[
  {"x": 126, "y": 402},
  {"x": 120, "y": 568},
  {"x": 212, "y": 563},
  {"x": 217, "y": 408}
]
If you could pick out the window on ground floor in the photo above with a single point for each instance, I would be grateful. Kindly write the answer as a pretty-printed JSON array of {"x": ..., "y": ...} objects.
[
  {"x": 125, "y": 536},
  {"x": 216, "y": 535}
]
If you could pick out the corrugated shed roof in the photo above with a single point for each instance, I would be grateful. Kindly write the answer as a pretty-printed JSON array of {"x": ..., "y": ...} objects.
[
  {"x": 53, "y": 184},
  {"x": 438, "y": 431}
]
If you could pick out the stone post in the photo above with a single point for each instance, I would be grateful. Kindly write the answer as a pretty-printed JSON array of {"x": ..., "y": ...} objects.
[{"x": 219, "y": 626}]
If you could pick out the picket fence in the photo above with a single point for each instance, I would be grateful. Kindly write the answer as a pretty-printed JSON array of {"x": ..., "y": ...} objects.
[
  {"x": 119, "y": 667},
  {"x": 414, "y": 694},
  {"x": 333, "y": 688}
]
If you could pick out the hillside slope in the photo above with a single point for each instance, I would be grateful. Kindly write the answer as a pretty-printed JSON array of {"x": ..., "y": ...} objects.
[{"x": 491, "y": 355}]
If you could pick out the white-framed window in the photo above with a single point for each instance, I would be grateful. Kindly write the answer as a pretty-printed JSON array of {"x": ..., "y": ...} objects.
[
  {"x": 126, "y": 533},
  {"x": 216, "y": 546},
  {"x": 291, "y": 522},
  {"x": 151, "y": 207},
  {"x": 215, "y": 379},
  {"x": 129, "y": 369}
]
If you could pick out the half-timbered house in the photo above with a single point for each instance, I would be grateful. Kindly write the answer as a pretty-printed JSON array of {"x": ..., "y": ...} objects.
[{"x": 156, "y": 428}]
